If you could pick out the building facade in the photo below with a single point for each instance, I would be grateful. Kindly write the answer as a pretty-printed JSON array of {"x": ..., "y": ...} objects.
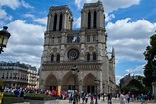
[
  {"x": 84, "y": 48},
  {"x": 15, "y": 74}
]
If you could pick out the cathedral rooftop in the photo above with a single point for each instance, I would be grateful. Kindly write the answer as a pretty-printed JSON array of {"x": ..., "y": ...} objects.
[
  {"x": 63, "y": 7},
  {"x": 93, "y": 4}
]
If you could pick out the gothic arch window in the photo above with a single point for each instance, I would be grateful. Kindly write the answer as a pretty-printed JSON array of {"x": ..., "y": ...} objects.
[
  {"x": 59, "y": 39},
  {"x": 58, "y": 58},
  {"x": 52, "y": 39},
  {"x": 52, "y": 58},
  {"x": 55, "y": 22},
  {"x": 94, "y": 38},
  {"x": 94, "y": 56},
  {"x": 94, "y": 24},
  {"x": 89, "y": 20},
  {"x": 88, "y": 56},
  {"x": 88, "y": 38},
  {"x": 60, "y": 22}
]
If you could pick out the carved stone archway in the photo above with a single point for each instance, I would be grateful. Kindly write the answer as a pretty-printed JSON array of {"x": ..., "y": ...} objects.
[
  {"x": 89, "y": 83},
  {"x": 51, "y": 83},
  {"x": 68, "y": 82}
]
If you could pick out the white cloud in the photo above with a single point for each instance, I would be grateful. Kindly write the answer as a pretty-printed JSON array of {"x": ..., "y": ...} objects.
[
  {"x": 41, "y": 20},
  {"x": 20, "y": 46},
  {"x": 26, "y": 5},
  {"x": 13, "y": 4},
  {"x": 118, "y": 79},
  {"x": 129, "y": 38},
  {"x": 29, "y": 16},
  {"x": 3, "y": 15},
  {"x": 109, "y": 5},
  {"x": 109, "y": 17},
  {"x": 137, "y": 70},
  {"x": 25, "y": 31},
  {"x": 77, "y": 22},
  {"x": 79, "y": 3}
]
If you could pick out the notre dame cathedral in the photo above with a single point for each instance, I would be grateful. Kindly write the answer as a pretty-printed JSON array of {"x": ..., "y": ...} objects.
[{"x": 85, "y": 48}]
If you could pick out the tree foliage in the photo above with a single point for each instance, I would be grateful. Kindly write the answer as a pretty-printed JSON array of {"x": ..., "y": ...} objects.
[
  {"x": 1, "y": 84},
  {"x": 135, "y": 87},
  {"x": 149, "y": 54},
  {"x": 135, "y": 83}
]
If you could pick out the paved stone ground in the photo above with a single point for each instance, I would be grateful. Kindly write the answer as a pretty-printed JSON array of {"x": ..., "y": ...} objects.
[{"x": 114, "y": 101}]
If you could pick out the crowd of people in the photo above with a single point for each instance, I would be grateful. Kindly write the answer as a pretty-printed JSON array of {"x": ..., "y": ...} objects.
[
  {"x": 83, "y": 96},
  {"x": 129, "y": 97}
]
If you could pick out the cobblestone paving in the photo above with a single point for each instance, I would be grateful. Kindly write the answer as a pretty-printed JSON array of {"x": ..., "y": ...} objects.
[{"x": 115, "y": 101}]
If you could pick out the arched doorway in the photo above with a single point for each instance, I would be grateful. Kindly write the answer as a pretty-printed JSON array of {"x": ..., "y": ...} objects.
[
  {"x": 68, "y": 82},
  {"x": 89, "y": 83},
  {"x": 51, "y": 83}
]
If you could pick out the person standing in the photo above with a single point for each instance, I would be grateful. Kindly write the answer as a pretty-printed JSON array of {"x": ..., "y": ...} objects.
[
  {"x": 92, "y": 99},
  {"x": 109, "y": 98},
  {"x": 86, "y": 97},
  {"x": 122, "y": 97}
]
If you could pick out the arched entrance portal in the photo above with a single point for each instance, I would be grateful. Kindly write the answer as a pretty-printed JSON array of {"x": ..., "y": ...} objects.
[
  {"x": 51, "y": 83},
  {"x": 68, "y": 82},
  {"x": 89, "y": 83}
]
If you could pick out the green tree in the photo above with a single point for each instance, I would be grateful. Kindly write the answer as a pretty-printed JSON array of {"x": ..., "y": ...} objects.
[
  {"x": 135, "y": 83},
  {"x": 149, "y": 56},
  {"x": 1, "y": 84}
]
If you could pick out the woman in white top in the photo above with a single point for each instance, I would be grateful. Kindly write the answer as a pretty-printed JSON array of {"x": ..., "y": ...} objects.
[{"x": 122, "y": 97}]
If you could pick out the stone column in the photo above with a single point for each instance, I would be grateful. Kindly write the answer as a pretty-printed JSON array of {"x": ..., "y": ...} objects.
[
  {"x": 62, "y": 53},
  {"x": 82, "y": 19},
  {"x": 64, "y": 24},
  {"x": 51, "y": 22},
  {"x": 92, "y": 18},
  {"x": 48, "y": 22},
  {"x": 86, "y": 19},
  {"x": 99, "y": 46}
]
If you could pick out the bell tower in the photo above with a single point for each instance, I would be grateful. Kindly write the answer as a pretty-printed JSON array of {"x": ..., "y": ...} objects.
[
  {"x": 92, "y": 16},
  {"x": 59, "y": 18}
]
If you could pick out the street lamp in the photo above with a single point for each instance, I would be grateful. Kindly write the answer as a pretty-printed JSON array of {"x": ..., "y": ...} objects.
[
  {"x": 97, "y": 81},
  {"x": 75, "y": 75},
  {"x": 4, "y": 36}
]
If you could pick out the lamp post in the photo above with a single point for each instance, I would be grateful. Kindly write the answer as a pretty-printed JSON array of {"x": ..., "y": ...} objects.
[
  {"x": 96, "y": 82},
  {"x": 4, "y": 36},
  {"x": 75, "y": 75}
]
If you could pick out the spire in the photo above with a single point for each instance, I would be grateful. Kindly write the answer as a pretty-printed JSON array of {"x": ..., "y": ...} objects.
[{"x": 113, "y": 52}]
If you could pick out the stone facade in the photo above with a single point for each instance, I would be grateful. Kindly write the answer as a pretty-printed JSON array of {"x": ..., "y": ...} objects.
[
  {"x": 15, "y": 74},
  {"x": 85, "y": 48}
]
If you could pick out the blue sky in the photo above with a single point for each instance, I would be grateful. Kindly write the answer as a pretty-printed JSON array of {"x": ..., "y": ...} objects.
[{"x": 129, "y": 24}]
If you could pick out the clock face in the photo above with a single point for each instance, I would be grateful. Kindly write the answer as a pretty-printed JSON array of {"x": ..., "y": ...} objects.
[{"x": 73, "y": 54}]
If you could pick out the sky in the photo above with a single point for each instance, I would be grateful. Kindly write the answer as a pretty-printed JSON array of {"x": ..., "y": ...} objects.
[{"x": 129, "y": 25}]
